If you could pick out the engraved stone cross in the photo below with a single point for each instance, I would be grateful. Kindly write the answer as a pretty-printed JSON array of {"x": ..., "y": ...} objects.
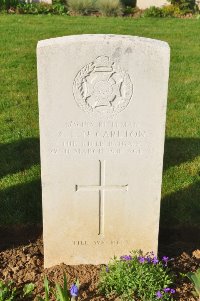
[{"x": 101, "y": 188}]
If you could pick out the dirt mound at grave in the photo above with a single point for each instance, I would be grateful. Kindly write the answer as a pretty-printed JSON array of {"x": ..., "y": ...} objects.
[{"x": 24, "y": 264}]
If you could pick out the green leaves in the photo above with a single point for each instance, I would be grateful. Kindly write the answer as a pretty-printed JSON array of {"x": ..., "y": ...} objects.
[
  {"x": 195, "y": 279},
  {"x": 8, "y": 291},
  {"x": 136, "y": 277},
  {"x": 41, "y": 8},
  {"x": 28, "y": 289}
]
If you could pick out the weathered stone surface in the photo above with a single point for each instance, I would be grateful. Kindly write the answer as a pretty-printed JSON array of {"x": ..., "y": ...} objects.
[
  {"x": 102, "y": 101},
  {"x": 143, "y": 4}
]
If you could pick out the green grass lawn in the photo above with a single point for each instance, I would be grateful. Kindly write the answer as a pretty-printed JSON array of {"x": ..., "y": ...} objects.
[{"x": 20, "y": 192}]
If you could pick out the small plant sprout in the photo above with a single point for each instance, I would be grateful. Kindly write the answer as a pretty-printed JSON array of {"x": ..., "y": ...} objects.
[
  {"x": 46, "y": 290},
  {"x": 137, "y": 276},
  {"x": 59, "y": 292},
  {"x": 195, "y": 279}
]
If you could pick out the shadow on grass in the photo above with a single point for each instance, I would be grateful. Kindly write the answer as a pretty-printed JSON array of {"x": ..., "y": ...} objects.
[
  {"x": 180, "y": 221},
  {"x": 180, "y": 150},
  {"x": 180, "y": 211},
  {"x": 18, "y": 156},
  {"x": 20, "y": 214},
  {"x": 21, "y": 204}
]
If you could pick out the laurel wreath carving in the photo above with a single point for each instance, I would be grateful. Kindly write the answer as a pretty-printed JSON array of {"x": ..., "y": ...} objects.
[
  {"x": 78, "y": 84},
  {"x": 79, "y": 90}
]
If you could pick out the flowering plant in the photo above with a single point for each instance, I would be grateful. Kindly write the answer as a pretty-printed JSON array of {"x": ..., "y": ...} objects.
[
  {"x": 137, "y": 277},
  {"x": 60, "y": 293}
]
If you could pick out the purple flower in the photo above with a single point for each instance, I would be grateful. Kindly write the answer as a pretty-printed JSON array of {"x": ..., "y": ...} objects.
[
  {"x": 74, "y": 290},
  {"x": 107, "y": 269},
  {"x": 155, "y": 260},
  {"x": 165, "y": 259},
  {"x": 166, "y": 290},
  {"x": 141, "y": 259},
  {"x": 159, "y": 295},
  {"x": 172, "y": 291},
  {"x": 148, "y": 259},
  {"x": 126, "y": 257}
]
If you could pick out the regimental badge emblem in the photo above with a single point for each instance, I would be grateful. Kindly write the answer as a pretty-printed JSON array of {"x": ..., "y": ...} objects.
[{"x": 102, "y": 87}]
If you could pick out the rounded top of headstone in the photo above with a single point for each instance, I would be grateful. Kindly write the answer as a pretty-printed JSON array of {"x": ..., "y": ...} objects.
[
  {"x": 106, "y": 37},
  {"x": 103, "y": 84}
]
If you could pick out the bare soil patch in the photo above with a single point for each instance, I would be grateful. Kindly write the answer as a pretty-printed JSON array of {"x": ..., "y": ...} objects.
[{"x": 22, "y": 262}]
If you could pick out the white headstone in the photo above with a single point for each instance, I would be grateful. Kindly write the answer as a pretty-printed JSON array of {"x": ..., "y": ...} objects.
[
  {"x": 143, "y": 4},
  {"x": 102, "y": 102}
]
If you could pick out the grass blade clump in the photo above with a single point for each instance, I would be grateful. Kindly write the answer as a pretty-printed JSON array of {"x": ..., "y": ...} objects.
[
  {"x": 81, "y": 7},
  {"x": 138, "y": 277},
  {"x": 109, "y": 7},
  {"x": 62, "y": 293}
]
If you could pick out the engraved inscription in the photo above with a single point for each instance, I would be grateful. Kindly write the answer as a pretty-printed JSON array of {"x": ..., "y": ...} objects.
[
  {"x": 80, "y": 243},
  {"x": 114, "y": 242},
  {"x": 101, "y": 242},
  {"x": 104, "y": 138},
  {"x": 101, "y": 188},
  {"x": 102, "y": 87}
]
